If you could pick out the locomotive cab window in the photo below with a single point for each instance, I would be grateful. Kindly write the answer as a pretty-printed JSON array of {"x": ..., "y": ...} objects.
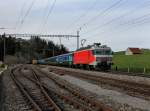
[
  {"x": 102, "y": 52},
  {"x": 97, "y": 52},
  {"x": 108, "y": 52}
]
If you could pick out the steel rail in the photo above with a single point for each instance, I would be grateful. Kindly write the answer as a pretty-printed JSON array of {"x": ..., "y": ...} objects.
[
  {"x": 51, "y": 104},
  {"x": 50, "y": 101},
  {"x": 67, "y": 99},
  {"x": 25, "y": 93},
  {"x": 127, "y": 85},
  {"x": 97, "y": 104}
]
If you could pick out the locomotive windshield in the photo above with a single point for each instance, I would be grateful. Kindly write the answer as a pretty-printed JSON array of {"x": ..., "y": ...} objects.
[{"x": 102, "y": 52}]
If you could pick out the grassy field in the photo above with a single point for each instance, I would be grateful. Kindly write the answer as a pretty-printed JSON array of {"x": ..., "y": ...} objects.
[
  {"x": 137, "y": 62},
  {"x": 2, "y": 67}
]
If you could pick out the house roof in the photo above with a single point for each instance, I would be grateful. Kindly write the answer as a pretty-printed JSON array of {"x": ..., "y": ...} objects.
[{"x": 135, "y": 50}]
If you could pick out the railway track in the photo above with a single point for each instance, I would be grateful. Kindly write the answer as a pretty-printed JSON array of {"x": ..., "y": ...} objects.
[
  {"x": 35, "y": 95},
  {"x": 67, "y": 99},
  {"x": 129, "y": 74},
  {"x": 39, "y": 100},
  {"x": 80, "y": 101},
  {"x": 137, "y": 88},
  {"x": 147, "y": 75}
]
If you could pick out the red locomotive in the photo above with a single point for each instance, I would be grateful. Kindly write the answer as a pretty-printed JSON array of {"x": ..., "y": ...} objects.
[{"x": 95, "y": 56}]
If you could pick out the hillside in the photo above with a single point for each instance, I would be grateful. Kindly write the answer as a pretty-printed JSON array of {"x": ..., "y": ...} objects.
[{"x": 139, "y": 61}]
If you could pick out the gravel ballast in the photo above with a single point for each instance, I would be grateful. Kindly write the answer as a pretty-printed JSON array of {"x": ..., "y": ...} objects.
[
  {"x": 110, "y": 94},
  {"x": 136, "y": 79},
  {"x": 117, "y": 99},
  {"x": 1, "y": 93},
  {"x": 12, "y": 99}
]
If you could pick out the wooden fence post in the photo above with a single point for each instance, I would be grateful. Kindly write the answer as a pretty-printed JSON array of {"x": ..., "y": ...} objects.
[
  {"x": 128, "y": 69},
  {"x": 116, "y": 68},
  {"x": 144, "y": 70}
]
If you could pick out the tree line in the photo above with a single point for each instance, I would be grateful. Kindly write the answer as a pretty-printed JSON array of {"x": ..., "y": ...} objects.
[{"x": 34, "y": 48}]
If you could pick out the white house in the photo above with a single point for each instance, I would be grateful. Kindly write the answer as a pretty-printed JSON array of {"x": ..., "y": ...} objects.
[{"x": 132, "y": 51}]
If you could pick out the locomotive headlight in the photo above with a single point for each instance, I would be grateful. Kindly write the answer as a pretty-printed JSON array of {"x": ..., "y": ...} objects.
[{"x": 98, "y": 58}]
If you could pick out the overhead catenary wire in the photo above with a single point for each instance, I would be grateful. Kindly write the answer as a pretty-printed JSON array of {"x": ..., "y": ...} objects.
[
  {"x": 145, "y": 21},
  {"x": 83, "y": 14},
  {"x": 49, "y": 13},
  {"x": 136, "y": 20},
  {"x": 133, "y": 23},
  {"x": 20, "y": 15},
  {"x": 116, "y": 19},
  {"x": 101, "y": 13},
  {"x": 27, "y": 13},
  {"x": 46, "y": 9},
  {"x": 93, "y": 19}
]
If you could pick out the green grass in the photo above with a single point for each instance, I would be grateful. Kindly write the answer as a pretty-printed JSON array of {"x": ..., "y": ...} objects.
[
  {"x": 139, "y": 61},
  {"x": 2, "y": 67}
]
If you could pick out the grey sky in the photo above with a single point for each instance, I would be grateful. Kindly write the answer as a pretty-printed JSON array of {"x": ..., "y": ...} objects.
[{"x": 124, "y": 25}]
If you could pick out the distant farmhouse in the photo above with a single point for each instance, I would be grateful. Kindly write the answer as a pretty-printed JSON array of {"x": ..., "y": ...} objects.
[{"x": 133, "y": 51}]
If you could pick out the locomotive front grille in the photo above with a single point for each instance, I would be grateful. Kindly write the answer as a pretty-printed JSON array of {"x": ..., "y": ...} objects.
[{"x": 103, "y": 59}]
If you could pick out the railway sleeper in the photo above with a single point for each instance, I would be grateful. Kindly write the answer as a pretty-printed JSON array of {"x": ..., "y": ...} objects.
[{"x": 90, "y": 102}]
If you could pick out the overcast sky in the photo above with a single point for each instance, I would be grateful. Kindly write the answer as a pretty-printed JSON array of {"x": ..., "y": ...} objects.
[{"x": 117, "y": 23}]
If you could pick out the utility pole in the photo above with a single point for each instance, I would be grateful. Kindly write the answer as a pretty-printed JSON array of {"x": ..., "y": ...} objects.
[
  {"x": 53, "y": 51},
  {"x": 4, "y": 35},
  {"x": 60, "y": 45},
  {"x": 4, "y": 49},
  {"x": 78, "y": 39}
]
